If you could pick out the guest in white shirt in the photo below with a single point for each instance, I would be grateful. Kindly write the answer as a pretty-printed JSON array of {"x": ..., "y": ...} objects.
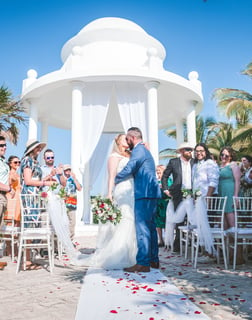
[{"x": 205, "y": 172}]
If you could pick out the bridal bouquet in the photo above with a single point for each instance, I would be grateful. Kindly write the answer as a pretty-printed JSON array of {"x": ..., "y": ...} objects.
[{"x": 104, "y": 210}]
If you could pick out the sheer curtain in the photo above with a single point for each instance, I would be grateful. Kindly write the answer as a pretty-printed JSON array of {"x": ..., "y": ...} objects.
[
  {"x": 131, "y": 98},
  {"x": 94, "y": 112},
  {"x": 98, "y": 163}
]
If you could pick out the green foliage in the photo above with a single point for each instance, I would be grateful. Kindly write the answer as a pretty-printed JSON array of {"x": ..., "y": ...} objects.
[{"x": 10, "y": 115}]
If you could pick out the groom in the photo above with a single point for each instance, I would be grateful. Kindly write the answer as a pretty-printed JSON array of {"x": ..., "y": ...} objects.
[{"x": 142, "y": 167}]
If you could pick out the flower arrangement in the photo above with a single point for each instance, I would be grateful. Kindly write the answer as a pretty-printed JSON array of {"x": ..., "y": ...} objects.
[
  {"x": 104, "y": 210},
  {"x": 197, "y": 193},
  {"x": 188, "y": 193},
  {"x": 54, "y": 188}
]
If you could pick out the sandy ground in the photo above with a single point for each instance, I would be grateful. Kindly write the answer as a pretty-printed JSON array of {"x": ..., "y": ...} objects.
[{"x": 37, "y": 294}]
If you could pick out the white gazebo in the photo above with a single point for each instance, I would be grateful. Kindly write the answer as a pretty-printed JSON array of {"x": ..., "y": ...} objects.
[{"x": 112, "y": 78}]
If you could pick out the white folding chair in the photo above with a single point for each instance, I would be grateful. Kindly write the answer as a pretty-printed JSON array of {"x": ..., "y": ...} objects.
[
  {"x": 215, "y": 215},
  {"x": 36, "y": 231},
  {"x": 242, "y": 232},
  {"x": 185, "y": 236},
  {"x": 8, "y": 231}
]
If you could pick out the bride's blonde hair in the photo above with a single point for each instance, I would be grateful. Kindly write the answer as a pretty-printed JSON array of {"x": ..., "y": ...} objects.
[{"x": 117, "y": 147}]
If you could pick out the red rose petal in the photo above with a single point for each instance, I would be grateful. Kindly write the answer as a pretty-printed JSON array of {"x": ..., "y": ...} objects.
[
  {"x": 113, "y": 311},
  {"x": 197, "y": 312}
]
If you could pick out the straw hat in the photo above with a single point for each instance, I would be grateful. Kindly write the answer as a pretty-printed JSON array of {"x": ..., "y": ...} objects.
[
  {"x": 184, "y": 145},
  {"x": 66, "y": 167},
  {"x": 32, "y": 144}
]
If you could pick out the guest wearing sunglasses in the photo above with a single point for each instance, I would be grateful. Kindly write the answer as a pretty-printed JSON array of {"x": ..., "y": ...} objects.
[
  {"x": 229, "y": 183},
  {"x": 4, "y": 186},
  {"x": 14, "y": 179},
  {"x": 50, "y": 172}
]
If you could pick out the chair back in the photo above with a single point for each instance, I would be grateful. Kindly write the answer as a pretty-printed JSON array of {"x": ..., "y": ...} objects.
[
  {"x": 215, "y": 211},
  {"x": 243, "y": 212},
  {"x": 33, "y": 213}
]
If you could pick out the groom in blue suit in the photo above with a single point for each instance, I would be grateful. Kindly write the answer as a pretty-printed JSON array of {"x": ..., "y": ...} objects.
[{"x": 142, "y": 167}]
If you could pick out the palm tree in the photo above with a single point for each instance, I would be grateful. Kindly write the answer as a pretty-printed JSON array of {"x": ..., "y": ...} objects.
[
  {"x": 205, "y": 129},
  {"x": 10, "y": 115},
  {"x": 236, "y": 103}
]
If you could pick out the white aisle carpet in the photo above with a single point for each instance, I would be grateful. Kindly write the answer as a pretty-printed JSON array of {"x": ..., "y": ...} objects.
[{"x": 117, "y": 295}]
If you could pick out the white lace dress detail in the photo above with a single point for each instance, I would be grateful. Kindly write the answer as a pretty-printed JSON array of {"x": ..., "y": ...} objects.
[{"x": 116, "y": 244}]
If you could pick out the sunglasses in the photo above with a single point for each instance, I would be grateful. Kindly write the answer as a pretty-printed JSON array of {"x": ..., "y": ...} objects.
[
  {"x": 16, "y": 162},
  {"x": 188, "y": 149},
  {"x": 200, "y": 151},
  {"x": 225, "y": 155},
  {"x": 48, "y": 158},
  {"x": 2, "y": 145}
]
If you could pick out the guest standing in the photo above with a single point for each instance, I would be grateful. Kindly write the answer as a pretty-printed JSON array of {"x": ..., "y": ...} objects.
[
  {"x": 4, "y": 185},
  {"x": 31, "y": 180},
  {"x": 14, "y": 180},
  {"x": 71, "y": 188},
  {"x": 50, "y": 172},
  {"x": 205, "y": 172},
  {"x": 181, "y": 171},
  {"x": 161, "y": 206},
  {"x": 245, "y": 185},
  {"x": 229, "y": 183}
]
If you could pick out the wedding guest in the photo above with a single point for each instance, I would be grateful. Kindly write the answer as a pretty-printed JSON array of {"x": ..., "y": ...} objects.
[
  {"x": 14, "y": 180},
  {"x": 205, "y": 172},
  {"x": 50, "y": 172},
  {"x": 245, "y": 186},
  {"x": 161, "y": 206},
  {"x": 229, "y": 183},
  {"x": 181, "y": 171},
  {"x": 71, "y": 188},
  {"x": 31, "y": 180},
  {"x": 4, "y": 185}
]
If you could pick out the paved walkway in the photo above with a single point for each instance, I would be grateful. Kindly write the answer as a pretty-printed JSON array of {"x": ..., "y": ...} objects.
[{"x": 30, "y": 295}]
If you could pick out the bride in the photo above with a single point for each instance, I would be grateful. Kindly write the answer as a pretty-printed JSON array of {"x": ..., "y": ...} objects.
[{"x": 116, "y": 244}]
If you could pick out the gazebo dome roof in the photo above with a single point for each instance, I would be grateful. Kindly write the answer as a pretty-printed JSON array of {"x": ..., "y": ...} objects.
[
  {"x": 110, "y": 50},
  {"x": 113, "y": 42}
]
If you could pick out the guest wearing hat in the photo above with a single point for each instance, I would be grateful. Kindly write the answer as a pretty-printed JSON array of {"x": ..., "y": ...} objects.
[
  {"x": 31, "y": 178},
  {"x": 180, "y": 169},
  {"x": 72, "y": 186}
]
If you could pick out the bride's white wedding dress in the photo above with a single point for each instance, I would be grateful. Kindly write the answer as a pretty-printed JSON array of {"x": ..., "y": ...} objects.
[{"x": 116, "y": 244}]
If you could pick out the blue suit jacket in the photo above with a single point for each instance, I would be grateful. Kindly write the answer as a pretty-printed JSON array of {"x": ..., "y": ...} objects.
[{"x": 142, "y": 168}]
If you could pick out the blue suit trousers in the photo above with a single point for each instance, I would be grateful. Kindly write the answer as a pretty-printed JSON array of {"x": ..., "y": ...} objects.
[{"x": 146, "y": 233}]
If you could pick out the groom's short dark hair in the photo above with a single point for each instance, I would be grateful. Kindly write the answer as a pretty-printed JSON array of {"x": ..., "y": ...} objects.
[{"x": 136, "y": 132}]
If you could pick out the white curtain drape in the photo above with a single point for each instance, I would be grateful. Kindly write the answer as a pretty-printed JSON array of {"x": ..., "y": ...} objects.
[
  {"x": 131, "y": 99},
  {"x": 98, "y": 163},
  {"x": 94, "y": 112}
]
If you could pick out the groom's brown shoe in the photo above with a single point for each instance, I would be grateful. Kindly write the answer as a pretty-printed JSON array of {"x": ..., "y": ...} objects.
[
  {"x": 154, "y": 265},
  {"x": 137, "y": 268}
]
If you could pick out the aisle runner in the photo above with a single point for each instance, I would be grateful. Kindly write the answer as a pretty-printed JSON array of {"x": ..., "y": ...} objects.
[{"x": 117, "y": 295}]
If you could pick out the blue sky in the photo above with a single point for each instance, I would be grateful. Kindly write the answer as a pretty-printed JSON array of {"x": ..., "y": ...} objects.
[{"x": 212, "y": 37}]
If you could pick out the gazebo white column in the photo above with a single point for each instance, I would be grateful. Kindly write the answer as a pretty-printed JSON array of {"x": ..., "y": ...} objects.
[
  {"x": 33, "y": 120},
  {"x": 179, "y": 131},
  {"x": 77, "y": 88},
  {"x": 44, "y": 131},
  {"x": 152, "y": 111},
  {"x": 191, "y": 124}
]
